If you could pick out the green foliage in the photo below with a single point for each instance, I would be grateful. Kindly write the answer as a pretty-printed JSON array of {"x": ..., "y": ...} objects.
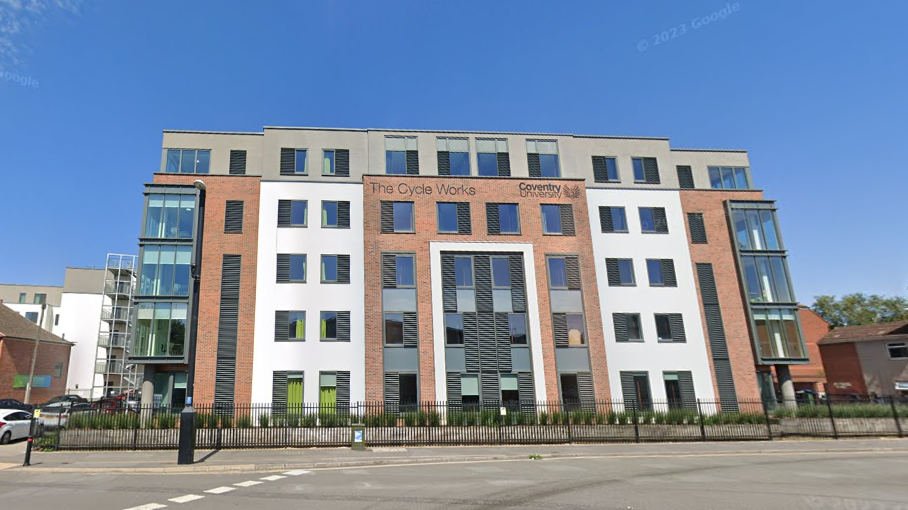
[
  {"x": 244, "y": 421},
  {"x": 264, "y": 420},
  {"x": 535, "y": 457},
  {"x": 855, "y": 309},
  {"x": 434, "y": 419},
  {"x": 226, "y": 421},
  {"x": 164, "y": 420},
  {"x": 840, "y": 411},
  {"x": 543, "y": 418}
]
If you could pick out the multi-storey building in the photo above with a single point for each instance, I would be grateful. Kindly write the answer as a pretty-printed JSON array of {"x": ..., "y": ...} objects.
[{"x": 343, "y": 265}]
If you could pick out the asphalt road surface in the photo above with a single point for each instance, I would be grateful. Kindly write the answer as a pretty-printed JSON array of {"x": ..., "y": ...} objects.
[{"x": 777, "y": 481}]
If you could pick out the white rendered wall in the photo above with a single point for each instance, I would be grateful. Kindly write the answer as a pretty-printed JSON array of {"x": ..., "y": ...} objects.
[
  {"x": 23, "y": 308},
  {"x": 80, "y": 315},
  {"x": 650, "y": 355},
  {"x": 310, "y": 356},
  {"x": 438, "y": 312}
]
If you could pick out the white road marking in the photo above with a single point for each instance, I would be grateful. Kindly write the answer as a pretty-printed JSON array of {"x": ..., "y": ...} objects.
[
  {"x": 150, "y": 506},
  {"x": 248, "y": 483},
  {"x": 186, "y": 499},
  {"x": 220, "y": 490},
  {"x": 272, "y": 478},
  {"x": 297, "y": 472}
]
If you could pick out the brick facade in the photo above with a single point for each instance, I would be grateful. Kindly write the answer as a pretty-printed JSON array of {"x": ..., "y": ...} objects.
[
  {"x": 843, "y": 369},
  {"x": 16, "y": 358},
  {"x": 719, "y": 252},
  {"x": 484, "y": 190},
  {"x": 811, "y": 376},
  {"x": 219, "y": 189}
]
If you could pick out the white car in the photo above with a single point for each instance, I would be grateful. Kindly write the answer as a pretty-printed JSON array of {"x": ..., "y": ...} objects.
[{"x": 14, "y": 424}]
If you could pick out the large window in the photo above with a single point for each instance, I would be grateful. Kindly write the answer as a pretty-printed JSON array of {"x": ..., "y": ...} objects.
[
  {"x": 394, "y": 328},
  {"x": 501, "y": 273},
  {"x": 653, "y": 220},
  {"x": 620, "y": 272},
  {"x": 463, "y": 272},
  {"x": 728, "y": 177},
  {"x": 169, "y": 216},
  {"x": 453, "y": 329},
  {"x": 469, "y": 390},
  {"x": 160, "y": 329},
  {"x": 756, "y": 229},
  {"x": 403, "y": 217},
  {"x": 493, "y": 158},
  {"x": 551, "y": 219},
  {"x": 605, "y": 169},
  {"x": 542, "y": 156},
  {"x": 517, "y": 326},
  {"x": 766, "y": 279},
  {"x": 508, "y": 219},
  {"x": 405, "y": 271},
  {"x": 612, "y": 219},
  {"x": 188, "y": 161},
  {"x": 557, "y": 273},
  {"x": 778, "y": 334},
  {"x": 628, "y": 327},
  {"x": 447, "y": 217},
  {"x": 401, "y": 156},
  {"x": 165, "y": 270},
  {"x": 453, "y": 156}
]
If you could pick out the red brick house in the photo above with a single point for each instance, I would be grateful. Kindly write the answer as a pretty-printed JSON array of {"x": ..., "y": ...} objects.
[
  {"x": 17, "y": 345},
  {"x": 811, "y": 377},
  {"x": 867, "y": 360}
]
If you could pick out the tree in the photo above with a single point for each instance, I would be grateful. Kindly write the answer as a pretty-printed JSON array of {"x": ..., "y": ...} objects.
[{"x": 855, "y": 309}]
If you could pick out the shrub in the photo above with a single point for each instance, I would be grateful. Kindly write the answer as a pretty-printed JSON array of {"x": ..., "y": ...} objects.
[
  {"x": 244, "y": 421},
  {"x": 226, "y": 421},
  {"x": 434, "y": 419},
  {"x": 543, "y": 418},
  {"x": 165, "y": 420},
  {"x": 307, "y": 420},
  {"x": 264, "y": 420}
]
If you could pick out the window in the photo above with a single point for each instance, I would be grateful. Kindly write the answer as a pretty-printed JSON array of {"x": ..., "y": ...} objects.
[
  {"x": 188, "y": 161},
  {"x": 328, "y": 162},
  {"x": 233, "y": 217},
  {"x": 612, "y": 220},
  {"x": 58, "y": 370},
  {"x": 327, "y": 391},
  {"x": 329, "y": 326},
  {"x": 672, "y": 390},
  {"x": 620, "y": 272},
  {"x": 292, "y": 213},
  {"x": 898, "y": 350},
  {"x": 165, "y": 270},
  {"x": 542, "y": 157},
  {"x": 170, "y": 216},
  {"x": 570, "y": 390},
  {"x": 297, "y": 268},
  {"x": 453, "y": 329},
  {"x": 646, "y": 170},
  {"x": 160, "y": 329},
  {"x": 766, "y": 279},
  {"x": 403, "y": 217},
  {"x": 463, "y": 272},
  {"x": 663, "y": 328},
  {"x": 697, "y": 228},
  {"x": 453, "y": 156},
  {"x": 605, "y": 169},
  {"x": 508, "y": 219},
  {"x": 551, "y": 219},
  {"x": 670, "y": 327},
  {"x": 661, "y": 272},
  {"x": 394, "y": 328},
  {"x": 778, "y": 334},
  {"x": 635, "y": 389},
  {"x": 237, "y": 165},
  {"x": 501, "y": 273},
  {"x": 469, "y": 390},
  {"x": 510, "y": 392},
  {"x": 627, "y": 327},
  {"x": 57, "y": 319},
  {"x": 404, "y": 269},
  {"x": 517, "y": 327},
  {"x": 756, "y": 229},
  {"x": 653, "y": 220},
  {"x": 297, "y": 326},
  {"x": 22, "y": 297},
  {"x": 493, "y": 157},
  {"x": 299, "y": 162},
  {"x": 293, "y": 161},
  {"x": 401, "y": 156},
  {"x": 329, "y": 214},
  {"x": 728, "y": 177},
  {"x": 335, "y": 269},
  {"x": 32, "y": 316},
  {"x": 575, "y": 329},
  {"x": 557, "y": 273},
  {"x": 685, "y": 177},
  {"x": 40, "y": 299},
  {"x": 447, "y": 218},
  {"x": 408, "y": 391}
]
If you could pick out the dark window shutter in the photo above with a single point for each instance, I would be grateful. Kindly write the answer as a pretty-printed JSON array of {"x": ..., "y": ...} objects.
[
  {"x": 343, "y": 391},
  {"x": 483, "y": 284},
  {"x": 490, "y": 389},
  {"x": 600, "y": 170},
  {"x": 453, "y": 386},
  {"x": 708, "y": 292},
  {"x": 650, "y": 171},
  {"x": 660, "y": 220},
  {"x": 614, "y": 274},
  {"x": 526, "y": 391},
  {"x": 715, "y": 330},
  {"x": 237, "y": 162},
  {"x": 283, "y": 213},
  {"x": 677, "y": 325},
  {"x": 233, "y": 217},
  {"x": 504, "y": 164},
  {"x": 449, "y": 288},
  {"x": 388, "y": 270},
  {"x": 685, "y": 177},
  {"x": 411, "y": 329},
  {"x": 228, "y": 324},
  {"x": 283, "y": 268},
  {"x": 412, "y": 163},
  {"x": 605, "y": 220},
  {"x": 572, "y": 271},
  {"x": 288, "y": 161},
  {"x": 342, "y": 163},
  {"x": 387, "y": 217},
  {"x": 586, "y": 390},
  {"x": 464, "y": 225},
  {"x": 281, "y": 325},
  {"x": 392, "y": 391},
  {"x": 503, "y": 342},
  {"x": 688, "y": 393},
  {"x": 343, "y": 269},
  {"x": 533, "y": 162},
  {"x": 471, "y": 342},
  {"x": 343, "y": 214},
  {"x": 518, "y": 286},
  {"x": 343, "y": 326},
  {"x": 567, "y": 220},
  {"x": 620, "y": 322},
  {"x": 628, "y": 390},
  {"x": 668, "y": 273},
  {"x": 279, "y": 390},
  {"x": 444, "y": 163},
  {"x": 559, "y": 329},
  {"x": 492, "y": 219},
  {"x": 697, "y": 228}
]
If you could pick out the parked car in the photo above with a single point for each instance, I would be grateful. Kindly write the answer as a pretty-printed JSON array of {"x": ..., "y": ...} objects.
[
  {"x": 63, "y": 401},
  {"x": 57, "y": 416},
  {"x": 15, "y": 423},
  {"x": 11, "y": 403}
]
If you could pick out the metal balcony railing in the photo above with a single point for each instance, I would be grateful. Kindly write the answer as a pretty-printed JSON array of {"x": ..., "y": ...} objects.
[
  {"x": 112, "y": 340},
  {"x": 115, "y": 314},
  {"x": 118, "y": 288}
]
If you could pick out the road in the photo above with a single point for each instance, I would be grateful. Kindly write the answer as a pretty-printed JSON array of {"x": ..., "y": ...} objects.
[{"x": 778, "y": 481}]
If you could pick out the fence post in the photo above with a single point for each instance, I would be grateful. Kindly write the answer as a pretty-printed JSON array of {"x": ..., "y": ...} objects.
[
  {"x": 636, "y": 425},
  {"x": 895, "y": 415},
  {"x": 57, "y": 430},
  {"x": 135, "y": 431},
  {"x": 835, "y": 432},
  {"x": 568, "y": 416},
  {"x": 702, "y": 426},
  {"x": 768, "y": 422}
]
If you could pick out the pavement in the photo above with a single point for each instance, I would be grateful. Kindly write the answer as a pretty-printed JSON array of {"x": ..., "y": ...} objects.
[{"x": 814, "y": 475}]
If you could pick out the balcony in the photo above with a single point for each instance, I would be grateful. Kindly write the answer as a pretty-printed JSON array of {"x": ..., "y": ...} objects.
[
  {"x": 121, "y": 264},
  {"x": 118, "y": 289},
  {"x": 109, "y": 366},
  {"x": 112, "y": 340},
  {"x": 115, "y": 314}
]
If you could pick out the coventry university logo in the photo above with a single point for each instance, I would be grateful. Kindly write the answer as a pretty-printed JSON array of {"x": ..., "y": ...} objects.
[{"x": 572, "y": 191}]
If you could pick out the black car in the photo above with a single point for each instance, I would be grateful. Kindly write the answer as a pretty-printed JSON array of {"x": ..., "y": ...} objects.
[
  {"x": 11, "y": 403},
  {"x": 64, "y": 401}
]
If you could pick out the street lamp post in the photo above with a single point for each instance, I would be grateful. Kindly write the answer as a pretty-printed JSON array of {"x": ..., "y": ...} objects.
[{"x": 186, "y": 453}]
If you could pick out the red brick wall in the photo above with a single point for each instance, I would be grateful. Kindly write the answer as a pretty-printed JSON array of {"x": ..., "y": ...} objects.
[
  {"x": 814, "y": 328},
  {"x": 486, "y": 190},
  {"x": 720, "y": 253},
  {"x": 16, "y": 358},
  {"x": 219, "y": 189},
  {"x": 843, "y": 369}
]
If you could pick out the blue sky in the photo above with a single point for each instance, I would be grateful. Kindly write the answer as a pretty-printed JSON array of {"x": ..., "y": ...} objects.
[{"x": 816, "y": 92}]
